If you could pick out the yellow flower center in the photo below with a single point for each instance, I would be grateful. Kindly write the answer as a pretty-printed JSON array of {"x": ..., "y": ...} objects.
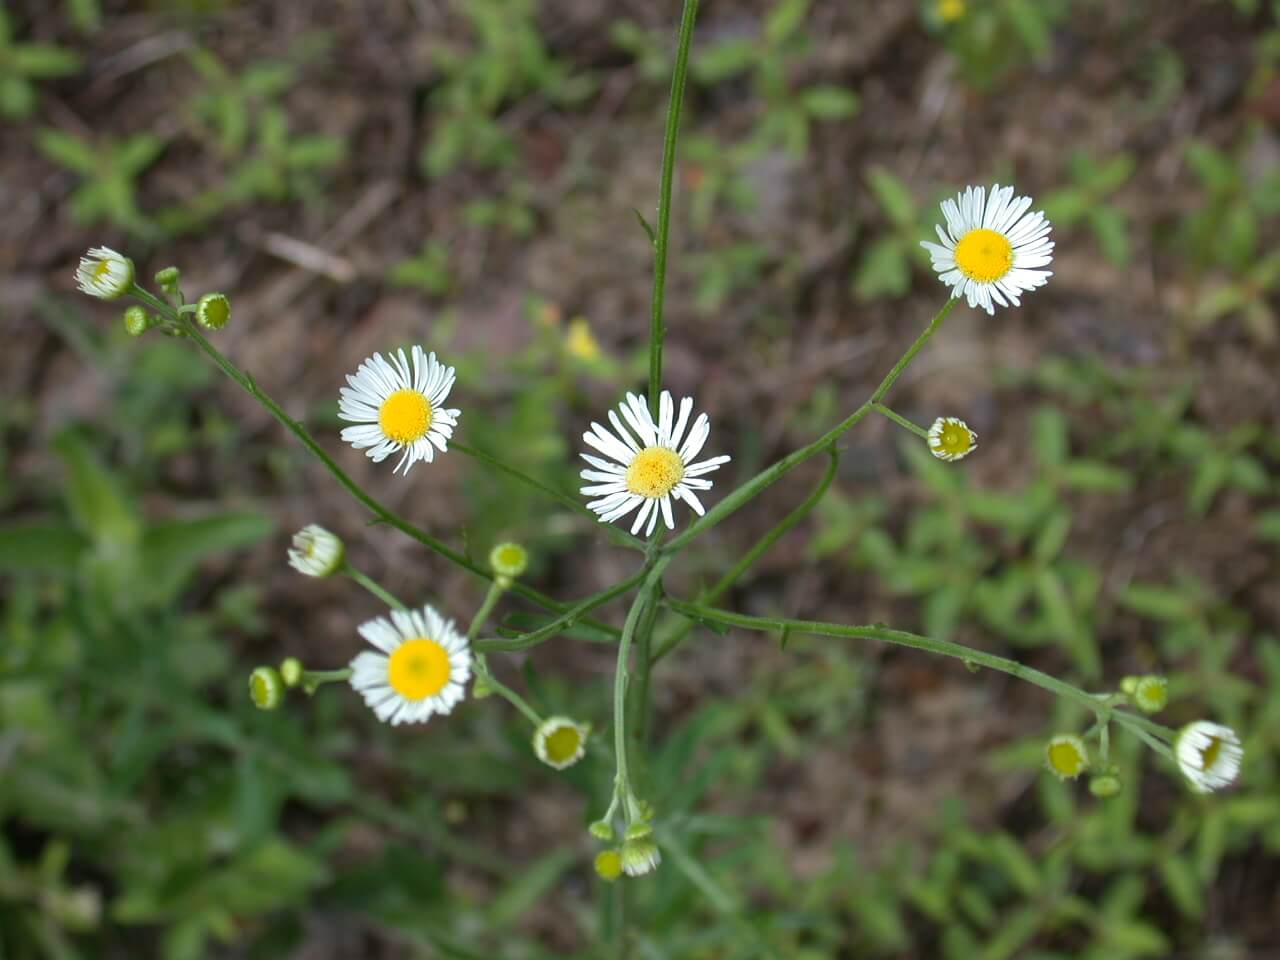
[
  {"x": 984, "y": 255},
  {"x": 951, "y": 10},
  {"x": 405, "y": 416},
  {"x": 563, "y": 745},
  {"x": 1209, "y": 755},
  {"x": 103, "y": 269},
  {"x": 955, "y": 439},
  {"x": 654, "y": 472},
  {"x": 419, "y": 669},
  {"x": 1066, "y": 759}
]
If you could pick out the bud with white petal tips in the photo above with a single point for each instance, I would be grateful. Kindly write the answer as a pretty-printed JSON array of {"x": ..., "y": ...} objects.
[
  {"x": 105, "y": 274},
  {"x": 640, "y": 857},
  {"x": 316, "y": 552},
  {"x": 1208, "y": 754}
]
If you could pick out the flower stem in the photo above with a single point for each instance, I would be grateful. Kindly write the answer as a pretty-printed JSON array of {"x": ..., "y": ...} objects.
[
  {"x": 771, "y": 474},
  {"x": 675, "y": 104},
  {"x": 749, "y": 558},
  {"x": 900, "y": 420},
  {"x": 386, "y": 596}
]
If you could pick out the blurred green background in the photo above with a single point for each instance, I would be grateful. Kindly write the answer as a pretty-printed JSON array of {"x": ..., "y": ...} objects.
[{"x": 463, "y": 174}]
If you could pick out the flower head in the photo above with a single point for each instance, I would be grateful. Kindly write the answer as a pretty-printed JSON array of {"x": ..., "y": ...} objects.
[
  {"x": 316, "y": 552},
  {"x": 1066, "y": 756},
  {"x": 651, "y": 468},
  {"x": 137, "y": 321},
  {"x": 213, "y": 310},
  {"x": 1208, "y": 755},
  {"x": 398, "y": 407},
  {"x": 560, "y": 742},
  {"x": 422, "y": 670},
  {"x": 992, "y": 248},
  {"x": 951, "y": 439},
  {"x": 105, "y": 274},
  {"x": 640, "y": 856}
]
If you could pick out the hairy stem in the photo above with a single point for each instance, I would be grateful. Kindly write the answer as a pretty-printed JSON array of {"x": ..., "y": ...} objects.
[{"x": 675, "y": 104}]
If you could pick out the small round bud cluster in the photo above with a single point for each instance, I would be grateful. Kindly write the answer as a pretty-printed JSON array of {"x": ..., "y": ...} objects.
[
  {"x": 266, "y": 688},
  {"x": 213, "y": 310},
  {"x": 168, "y": 280},
  {"x": 1106, "y": 783},
  {"x": 291, "y": 672}
]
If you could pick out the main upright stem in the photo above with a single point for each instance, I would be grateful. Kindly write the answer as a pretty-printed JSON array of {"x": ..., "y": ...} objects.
[{"x": 674, "y": 107}]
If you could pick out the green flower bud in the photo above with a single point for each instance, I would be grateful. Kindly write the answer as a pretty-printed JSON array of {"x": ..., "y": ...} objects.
[
  {"x": 481, "y": 688},
  {"x": 609, "y": 865},
  {"x": 508, "y": 560},
  {"x": 1105, "y": 786},
  {"x": 601, "y": 830},
  {"x": 213, "y": 310},
  {"x": 640, "y": 857},
  {"x": 137, "y": 321},
  {"x": 291, "y": 671},
  {"x": 1150, "y": 694},
  {"x": 639, "y": 830},
  {"x": 1128, "y": 685},
  {"x": 168, "y": 279},
  {"x": 266, "y": 689}
]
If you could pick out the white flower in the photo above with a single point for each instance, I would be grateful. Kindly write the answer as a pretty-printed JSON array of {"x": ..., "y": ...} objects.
[
  {"x": 640, "y": 856},
  {"x": 651, "y": 468},
  {"x": 316, "y": 552},
  {"x": 991, "y": 247},
  {"x": 1208, "y": 754},
  {"x": 398, "y": 407},
  {"x": 105, "y": 274},
  {"x": 423, "y": 668},
  {"x": 951, "y": 439},
  {"x": 559, "y": 742}
]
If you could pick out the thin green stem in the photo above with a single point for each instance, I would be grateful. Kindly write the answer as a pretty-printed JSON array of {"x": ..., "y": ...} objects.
[
  {"x": 313, "y": 680},
  {"x": 496, "y": 589},
  {"x": 564, "y": 621},
  {"x": 385, "y": 514},
  {"x": 771, "y": 474},
  {"x": 945, "y": 648},
  {"x": 900, "y": 420},
  {"x": 621, "y": 678},
  {"x": 618, "y": 536},
  {"x": 675, "y": 105},
  {"x": 749, "y": 558},
  {"x": 383, "y": 594},
  {"x": 483, "y": 672}
]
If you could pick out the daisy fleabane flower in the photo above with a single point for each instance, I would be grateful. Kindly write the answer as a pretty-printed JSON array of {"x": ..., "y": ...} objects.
[
  {"x": 398, "y": 407},
  {"x": 992, "y": 248},
  {"x": 1208, "y": 755},
  {"x": 651, "y": 467},
  {"x": 105, "y": 274},
  {"x": 423, "y": 667}
]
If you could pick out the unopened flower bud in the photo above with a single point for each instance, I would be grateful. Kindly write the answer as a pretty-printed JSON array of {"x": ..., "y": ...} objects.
[
  {"x": 316, "y": 552},
  {"x": 508, "y": 560},
  {"x": 609, "y": 865},
  {"x": 291, "y": 671},
  {"x": 213, "y": 310},
  {"x": 1150, "y": 694},
  {"x": 481, "y": 688},
  {"x": 266, "y": 689},
  {"x": 1066, "y": 756},
  {"x": 560, "y": 742},
  {"x": 639, "y": 830},
  {"x": 137, "y": 321},
  {"x": 168, "y": 279},
  {"x": 601, "y": 830},
  {"x": 1106, "y": 784},
  {"x": 105, "y": 274},
  {"x": 640, "y": 857}
]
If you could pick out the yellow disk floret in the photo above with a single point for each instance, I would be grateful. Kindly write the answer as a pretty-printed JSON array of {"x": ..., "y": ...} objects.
[
  {"x": 418, "y": 669},
  {"x": 654, "y": 472},
  {"x": 1066, "y": 756},
  {"x": 405, "y": 416},
  {"x": 984, "y": 255}
]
